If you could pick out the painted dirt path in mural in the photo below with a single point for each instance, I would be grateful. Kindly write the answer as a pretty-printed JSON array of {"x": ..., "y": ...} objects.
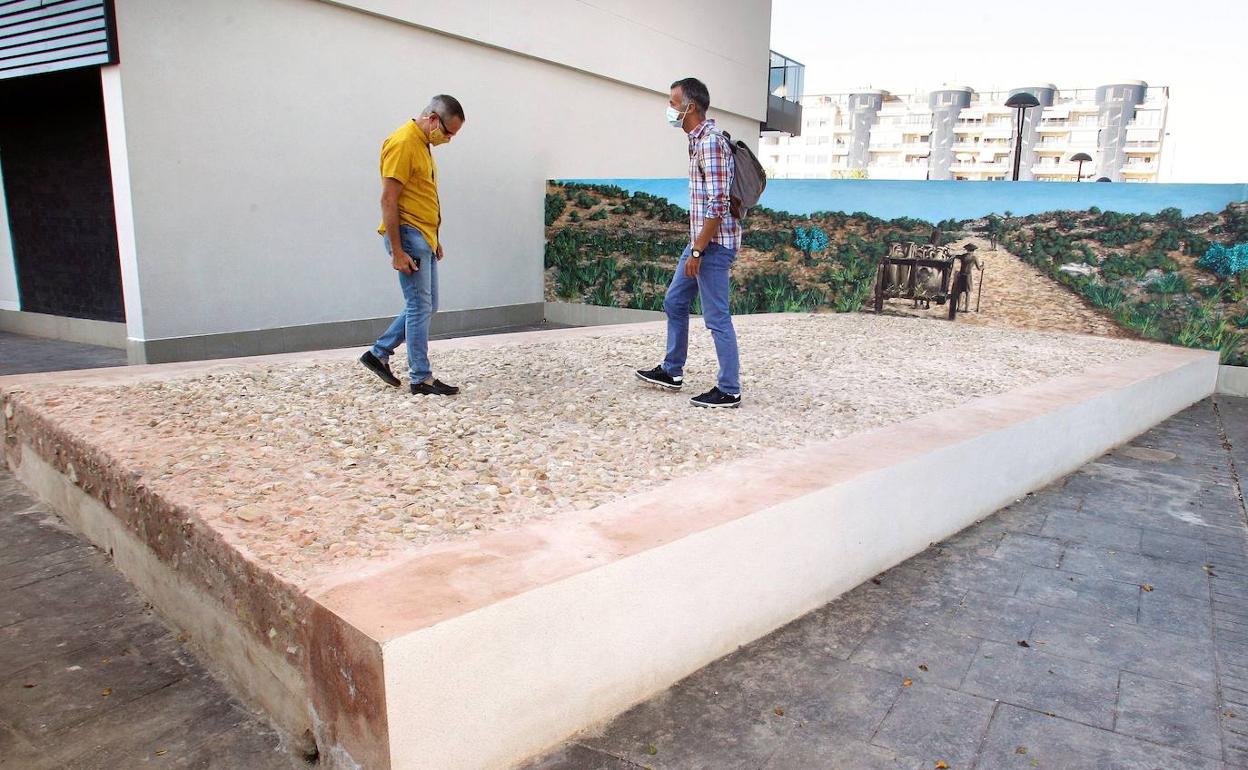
[{"x": 1017, "y": 295}]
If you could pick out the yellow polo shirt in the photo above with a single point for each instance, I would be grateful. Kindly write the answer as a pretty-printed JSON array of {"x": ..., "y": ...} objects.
[{"x": 405, "y": 156}]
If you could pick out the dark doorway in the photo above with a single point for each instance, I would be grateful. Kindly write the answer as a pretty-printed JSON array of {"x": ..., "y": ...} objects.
[{"x": 58, "y": 187}]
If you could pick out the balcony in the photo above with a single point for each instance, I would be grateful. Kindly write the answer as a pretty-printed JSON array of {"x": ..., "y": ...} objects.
[
  {"x": 785, "y": 81},
  {"x": 1057, "y": 169},
  {"x": 906, "y": 172},
  {"x": 979, "y": 166}
]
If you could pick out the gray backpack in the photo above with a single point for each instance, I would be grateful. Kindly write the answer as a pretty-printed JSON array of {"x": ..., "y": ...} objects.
[{"x": 748, "y": 177}]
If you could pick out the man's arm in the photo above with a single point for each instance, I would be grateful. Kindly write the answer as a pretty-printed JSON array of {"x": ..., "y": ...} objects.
[{"x": 399, "y": 259}]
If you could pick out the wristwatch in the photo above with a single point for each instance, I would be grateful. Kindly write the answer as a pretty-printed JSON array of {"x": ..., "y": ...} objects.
[{"x": 695, "y": 254}]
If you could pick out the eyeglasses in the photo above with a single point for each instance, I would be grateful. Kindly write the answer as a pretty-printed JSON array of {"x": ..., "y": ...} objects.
[{"x": 445, "y": 130}]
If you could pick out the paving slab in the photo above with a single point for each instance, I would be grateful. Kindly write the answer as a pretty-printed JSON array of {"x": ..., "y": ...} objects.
[
  {"x": 90, "y": 678},
  {"x": 1020, "y": 739}
]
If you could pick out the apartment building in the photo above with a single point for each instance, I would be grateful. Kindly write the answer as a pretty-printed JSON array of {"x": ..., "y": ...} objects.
[{"x": 958, "y": 133}]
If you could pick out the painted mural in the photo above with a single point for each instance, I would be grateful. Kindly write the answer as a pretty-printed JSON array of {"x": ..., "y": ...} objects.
[{"x": 1160, "y": 262}]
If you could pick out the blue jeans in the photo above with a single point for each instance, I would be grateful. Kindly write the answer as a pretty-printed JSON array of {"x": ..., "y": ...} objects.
[
  {"x": 420, "y": 297},
  {"x": 713, "y": 286}
]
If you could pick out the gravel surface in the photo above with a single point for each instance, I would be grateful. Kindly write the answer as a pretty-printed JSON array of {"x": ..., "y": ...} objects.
[{"x": 307, "y": 467}]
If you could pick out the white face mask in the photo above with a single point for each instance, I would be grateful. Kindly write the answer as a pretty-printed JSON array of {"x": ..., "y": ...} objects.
[{"x": 674, "y": 118}]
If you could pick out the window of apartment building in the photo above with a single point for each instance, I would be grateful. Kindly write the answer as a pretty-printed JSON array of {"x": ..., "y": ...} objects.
[
  {"x": 821, "y": 159},
  {"x": 824, "y": 139}
]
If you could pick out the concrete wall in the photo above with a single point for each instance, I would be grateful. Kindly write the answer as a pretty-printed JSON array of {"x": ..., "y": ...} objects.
[
  {"x": 639, "y": 42},
  {"x": 1233, "y": 381},
  {"x": 8, "y": 268},
  {"x": 252, "y": 132}
]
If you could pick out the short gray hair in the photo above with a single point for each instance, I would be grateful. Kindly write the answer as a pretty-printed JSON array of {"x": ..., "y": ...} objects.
[
  {"x": 446, "y": 106},
  {"x": 694, "y": 91}
]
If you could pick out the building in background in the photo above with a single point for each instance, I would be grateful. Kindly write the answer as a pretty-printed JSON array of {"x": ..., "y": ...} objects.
[
  {"x": 199, "y": 179},
  {"x": 958, "y": 133}
]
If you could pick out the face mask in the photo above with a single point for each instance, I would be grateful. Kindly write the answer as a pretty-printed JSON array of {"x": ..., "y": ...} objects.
[
  {"x": 674, "y": 118},
  {"x": 437, "y": 136}
]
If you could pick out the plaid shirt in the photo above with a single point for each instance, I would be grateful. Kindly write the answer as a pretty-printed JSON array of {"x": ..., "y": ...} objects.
[{"x": 710, "y": 182}]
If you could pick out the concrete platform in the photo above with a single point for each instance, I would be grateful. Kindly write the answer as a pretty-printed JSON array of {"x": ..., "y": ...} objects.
[{"x": 483, "y": 649}]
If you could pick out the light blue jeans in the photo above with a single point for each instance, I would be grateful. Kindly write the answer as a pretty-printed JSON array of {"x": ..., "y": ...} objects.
[
  {"x": 420, "y": 297},
  {"x": 712, "y": 284}
]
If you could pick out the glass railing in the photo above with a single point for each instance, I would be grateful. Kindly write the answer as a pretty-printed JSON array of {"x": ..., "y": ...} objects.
[{"x": 786, "y": 77}]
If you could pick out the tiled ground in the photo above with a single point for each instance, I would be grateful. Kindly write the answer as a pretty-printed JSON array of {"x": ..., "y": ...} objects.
[
  {"x": 20, "y": 354},
  {"x": 90, "y": 678},
  {"x": 1100, "y": 623}
]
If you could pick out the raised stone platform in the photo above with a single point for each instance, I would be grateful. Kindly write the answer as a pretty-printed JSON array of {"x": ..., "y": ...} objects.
[{"x": 464, "y": 582}]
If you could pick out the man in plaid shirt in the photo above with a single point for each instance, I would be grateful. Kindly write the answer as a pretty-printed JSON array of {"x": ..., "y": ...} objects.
[{"x": 714, "y": 237}]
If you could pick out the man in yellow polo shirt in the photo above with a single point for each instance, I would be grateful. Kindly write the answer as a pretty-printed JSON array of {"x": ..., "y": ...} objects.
[{"x": 410, "y": 218}]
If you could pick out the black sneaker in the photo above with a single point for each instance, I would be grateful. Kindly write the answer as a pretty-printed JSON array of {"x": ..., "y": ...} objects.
[
  {"x": 435, "y": 388},
  {"x": 657, "y": 376},
  {"x": 379, "y": 368},
  {"x": 716, "y": 398}
]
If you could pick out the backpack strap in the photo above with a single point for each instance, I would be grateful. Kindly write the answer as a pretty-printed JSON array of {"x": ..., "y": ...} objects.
[{"x": 724, "y": 135}]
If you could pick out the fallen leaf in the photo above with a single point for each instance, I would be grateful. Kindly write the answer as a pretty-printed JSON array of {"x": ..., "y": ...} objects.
[
  {"x": 652, "y": 749},
  {"x": 106, "y": 692},
  {"x": 922, "y": 666},
  {"x": 1020, "y": 750},
  {"x": 779, "y": 711},
  {"x": 1035, "y": 763},
  {"x": 877, "y": 581},
  {"x": 1147, "y": 586},
  {"x": 942, "y": 765},
  {"x": 907, "y": 683},
  {"x": 1023, "y": 643},
  {"x": 28, "y": 685},
  {"x": 162, "y": 752}
]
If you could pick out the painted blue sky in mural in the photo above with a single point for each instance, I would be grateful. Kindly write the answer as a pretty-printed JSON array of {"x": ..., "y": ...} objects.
[{"x": 934, "y": 201}]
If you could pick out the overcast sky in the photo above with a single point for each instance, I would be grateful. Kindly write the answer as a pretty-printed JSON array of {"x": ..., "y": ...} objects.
[{"x": 1196, "y": 47}]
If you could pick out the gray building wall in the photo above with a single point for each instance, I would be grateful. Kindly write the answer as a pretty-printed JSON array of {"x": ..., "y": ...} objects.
[
  {"x": 1117, "y": 102},
  {"x": 946, "y": 105},
  {"x": 863, "y": 110}
]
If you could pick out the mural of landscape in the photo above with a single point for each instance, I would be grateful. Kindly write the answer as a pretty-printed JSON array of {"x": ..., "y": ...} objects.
[{"x": 1160, "y": 262}]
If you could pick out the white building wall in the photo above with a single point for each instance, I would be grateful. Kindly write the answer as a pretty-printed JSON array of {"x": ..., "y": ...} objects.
[{"x": 253, "y": 129}]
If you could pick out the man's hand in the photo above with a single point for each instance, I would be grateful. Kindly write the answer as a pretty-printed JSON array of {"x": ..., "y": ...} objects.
[
  {"x": 439, "y": 254},
  {"x": 403, "y": 263},
  {"x": 691, "y": 266}
]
